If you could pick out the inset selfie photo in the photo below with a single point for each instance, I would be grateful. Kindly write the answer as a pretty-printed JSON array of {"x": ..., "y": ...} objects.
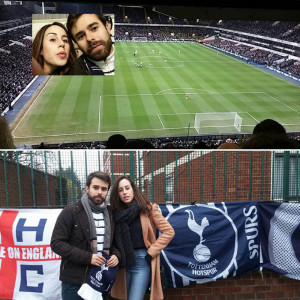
[{"x": 72, "y": 44}]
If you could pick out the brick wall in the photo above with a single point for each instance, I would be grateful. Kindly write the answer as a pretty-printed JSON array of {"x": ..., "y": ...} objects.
[
  {"x": 211, "y": 177},
  {"x": 25, "y": 189},
  {"x": 210, "y": 183},
  {"x": 119, "y": 164},
  {"x": 255, "y": 285}
]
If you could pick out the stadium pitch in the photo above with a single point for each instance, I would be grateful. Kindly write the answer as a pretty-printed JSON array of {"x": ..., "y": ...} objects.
[{"x": 147, "y": 97}]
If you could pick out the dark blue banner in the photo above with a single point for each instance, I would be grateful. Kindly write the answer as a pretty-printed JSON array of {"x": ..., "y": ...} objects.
[
  {"x": 280, "y": 238},
  {"x": 212, "y": 241}
]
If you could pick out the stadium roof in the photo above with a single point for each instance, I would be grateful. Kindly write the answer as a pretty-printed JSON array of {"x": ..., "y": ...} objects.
[{"x": 215, "y": 9}]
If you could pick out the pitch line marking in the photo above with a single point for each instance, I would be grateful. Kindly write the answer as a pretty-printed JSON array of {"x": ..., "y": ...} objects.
[
  {"x": 186, "y": 88},
  {"x": 161, "y": 121},
  {"x": 114, "y": 131},
  {"x": 178, "y": 114},
  {"x": 160, "y": 93},
  {"x": 271, "y": 74},
  {"x": 252, "y": 117},
  {"x": 130, "y": 130},
  {"x": 34, "y": 101},
  {"x": 282, "y": 103},
  {"x": 99, "y": 115}
]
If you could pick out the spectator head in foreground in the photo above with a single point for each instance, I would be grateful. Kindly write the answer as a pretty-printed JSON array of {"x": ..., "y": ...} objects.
[
  {"x": 269, "y": 134},
  {"x": 52, "y": 50},
  {"x": 138, "y": 144},
  {"x": 6, "y": 138},
  {"x": 116, "y": 141},
  {"x": 228, "y": 145}
]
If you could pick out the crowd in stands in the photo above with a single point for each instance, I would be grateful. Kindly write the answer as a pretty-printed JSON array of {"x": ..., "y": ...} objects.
[
  {"x": 288, "y": 31},
  {"x": 15, "y": 63},
  {"x": 258, "y": 56},
  {"x": 15, "y": 52},
  {"x": 284, "y": 30},
  {"x": 161, "y": 33},
  {"x": 10, "y": 14}
]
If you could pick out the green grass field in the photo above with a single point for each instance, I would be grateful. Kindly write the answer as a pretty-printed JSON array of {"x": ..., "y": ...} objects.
[{"x": 149, "y": 101}]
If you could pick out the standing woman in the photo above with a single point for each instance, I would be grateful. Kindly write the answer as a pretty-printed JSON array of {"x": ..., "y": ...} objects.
[
  {"x": 53, "y": 52},
  {"x": 136, "y": 220}
]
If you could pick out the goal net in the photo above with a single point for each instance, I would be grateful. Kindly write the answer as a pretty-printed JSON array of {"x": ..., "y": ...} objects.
[
  {"x": 220, "y": 122},
  {"x": 139, "y": 39}
]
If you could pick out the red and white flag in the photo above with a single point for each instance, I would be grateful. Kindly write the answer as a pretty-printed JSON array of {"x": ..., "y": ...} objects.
[{"x": 29, "y": 269}]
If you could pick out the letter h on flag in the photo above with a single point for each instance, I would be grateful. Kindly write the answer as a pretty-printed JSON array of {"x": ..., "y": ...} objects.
[{"x": 28, "y": 267}]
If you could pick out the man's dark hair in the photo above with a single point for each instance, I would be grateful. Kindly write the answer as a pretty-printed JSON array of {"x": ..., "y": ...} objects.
[
  {"x": 109, "y": 20},
  {"x": 72, "y": 19},
  {"x": 100, "y": 175}
]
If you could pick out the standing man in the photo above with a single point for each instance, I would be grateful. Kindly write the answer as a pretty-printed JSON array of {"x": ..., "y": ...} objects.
[
  {"x": 91, "y": 32},
  {"x": 82, "y": 230}
]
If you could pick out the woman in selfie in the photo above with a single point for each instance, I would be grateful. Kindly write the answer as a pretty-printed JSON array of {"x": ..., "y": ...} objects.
[
  {"x": 136, "y": 221},
  {"x": 52, "y": 50}
]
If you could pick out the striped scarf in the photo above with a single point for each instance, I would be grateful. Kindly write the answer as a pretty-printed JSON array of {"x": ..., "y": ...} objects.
[{"x": 89, "y": 206}]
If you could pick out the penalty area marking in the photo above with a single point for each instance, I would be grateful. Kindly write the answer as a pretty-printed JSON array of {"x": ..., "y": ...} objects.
[
  {"x": 251, "y": 117},
  {"x": 222, "y": 126},
  {"x": 187, "y": 88},
  {"x": 129, "y": 130},
  {"x": 162, "y": 123},
  {"x": 282, "y": 103}
]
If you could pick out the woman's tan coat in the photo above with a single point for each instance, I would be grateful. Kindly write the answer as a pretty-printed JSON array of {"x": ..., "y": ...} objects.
[{"x": 154, "y": 247}]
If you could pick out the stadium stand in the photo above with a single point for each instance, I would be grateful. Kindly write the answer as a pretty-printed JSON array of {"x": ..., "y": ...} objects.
[
  {"x": 228, "y": 36},
  {"x": 15, "y": 53}
]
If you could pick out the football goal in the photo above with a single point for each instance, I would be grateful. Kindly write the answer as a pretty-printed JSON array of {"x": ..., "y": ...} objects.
[
  {"x": 139, "y": 39},
  {"x": 219, "y": 121}
]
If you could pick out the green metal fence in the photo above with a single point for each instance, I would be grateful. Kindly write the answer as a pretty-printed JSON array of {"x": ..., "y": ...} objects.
[{"x": 55, "y": 178}]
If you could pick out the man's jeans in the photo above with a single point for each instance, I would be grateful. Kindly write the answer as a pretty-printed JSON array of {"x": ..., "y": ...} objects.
[{"x": 69, "y": 292}]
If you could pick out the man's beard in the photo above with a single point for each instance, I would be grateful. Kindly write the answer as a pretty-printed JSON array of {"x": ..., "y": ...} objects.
[
  {"x": 95, "y": 199},
  {"x": 100, "y": 54}
]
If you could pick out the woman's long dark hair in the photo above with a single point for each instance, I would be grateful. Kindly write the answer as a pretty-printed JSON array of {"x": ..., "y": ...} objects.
[
  {"x": 117, "y": 204},
  {"x": 37, "y": 47}
]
